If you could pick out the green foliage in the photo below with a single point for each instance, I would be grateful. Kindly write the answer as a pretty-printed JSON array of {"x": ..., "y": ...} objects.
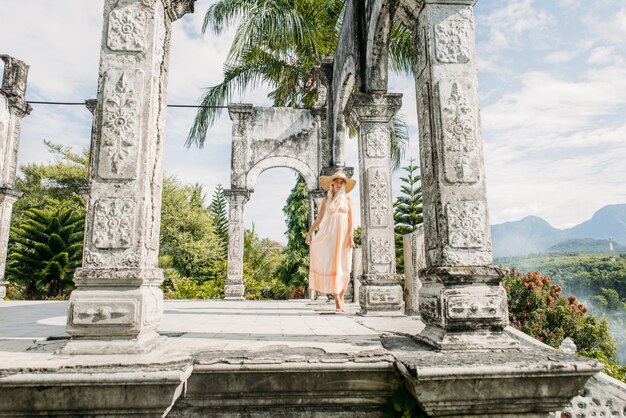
[
  {"x": 187, "y": 232},
  {"x": 595, "y": 279},
  {"x": 218, "y": 210},
  {"x": 403, "y": 405},
  {"x": 44, "y": 251},
  {"x": 295, "y": 269},
  {"x": 46, "y": 184},
  {"x": 262, "y": 259},
  {"x": 407, "y": 210},
  {"x": 538, "y": 308}
]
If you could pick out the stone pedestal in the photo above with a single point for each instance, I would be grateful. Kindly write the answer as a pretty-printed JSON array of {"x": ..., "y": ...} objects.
[
  {"x": 414, "y": 261},
  {"x": 117, "y": 305},
  {"x": 13, "y": 108},
  {"x": 461, "y": 302},
  {"x": 380, "y": 292},
  {"x": 234, "y": 288}
]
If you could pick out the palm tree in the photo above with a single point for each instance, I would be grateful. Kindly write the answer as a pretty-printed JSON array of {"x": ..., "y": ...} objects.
[{"x": 279, "y": 43}]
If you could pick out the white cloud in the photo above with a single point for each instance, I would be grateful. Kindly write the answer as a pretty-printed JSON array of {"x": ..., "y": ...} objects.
[
  {"x": 518, "y": 22},
  {"x": 604, "y": 55},
  {"x": 560, "y": 57}
]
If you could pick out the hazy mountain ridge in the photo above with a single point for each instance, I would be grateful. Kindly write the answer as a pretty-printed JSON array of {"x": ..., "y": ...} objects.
[{"x": 534, "y": 235}]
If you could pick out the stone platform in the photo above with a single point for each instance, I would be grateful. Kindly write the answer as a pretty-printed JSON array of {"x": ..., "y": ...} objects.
[{"x": 270, "y": 358}]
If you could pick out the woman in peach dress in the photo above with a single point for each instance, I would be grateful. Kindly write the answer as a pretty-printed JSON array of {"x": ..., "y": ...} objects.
[{"x": 331, "y": 248}]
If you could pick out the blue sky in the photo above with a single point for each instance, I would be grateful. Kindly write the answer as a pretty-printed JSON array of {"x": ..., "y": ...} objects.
[{"x": 552, "y": 79}]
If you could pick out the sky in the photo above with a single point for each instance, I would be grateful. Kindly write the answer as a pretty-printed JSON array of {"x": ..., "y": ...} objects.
[{"x": 552, "y": 82}]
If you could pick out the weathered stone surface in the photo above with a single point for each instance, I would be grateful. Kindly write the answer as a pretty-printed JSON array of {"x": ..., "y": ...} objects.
[
  {"x": 234, "y": 287},
  {"x": 414, "y": 261},
  {"x": 380, "y": 290},
  {"x": 525, "y": 381},
  {"x": 13, "y": 108},
  {"x": 117, "y": 296}
]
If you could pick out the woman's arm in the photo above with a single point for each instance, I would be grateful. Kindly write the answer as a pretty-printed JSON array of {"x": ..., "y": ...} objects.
[
  {"x": 349, "y": 238},
  {"x": 317, "y": 222}
]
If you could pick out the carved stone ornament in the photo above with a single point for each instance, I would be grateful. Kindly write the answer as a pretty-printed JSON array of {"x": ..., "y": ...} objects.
[
  {"x": 377, "y": 141},
  {"x": 453, "y": 38},
  {"x": 466, "y": 224},
  {"x": 127, "y": 28},
  {"x": 113, "y": 223},
  {"x": 380, "y": 252},
  {"x": 378, "y": 197},
  {"x": 234, "y": 242},
  {"x": 468, "y": 307},
  {"x": 238, "y": 154},
  {"x": 459, "y": 133},
  {"x": 121, "y": 125},
  {"x": 384, "y": 296},
  {"x": 104, "y": 312}
]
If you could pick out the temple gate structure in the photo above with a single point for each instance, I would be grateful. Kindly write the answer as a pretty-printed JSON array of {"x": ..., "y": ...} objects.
[{"x": 463, "y": 363}]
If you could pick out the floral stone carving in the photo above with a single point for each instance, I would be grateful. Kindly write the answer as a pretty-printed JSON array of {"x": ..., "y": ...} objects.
[
  {"x": 452, "y": 38},
  {"x": 113, "y": 223},
  {"x": 380, "y": 252},
  {"x": 459, "y": 133},
  {"x": 377, "y": 141},
  {"x": 127, "y": 29},
  {"x": 379, "y": 194},
  {"x": 466, "y": 224},
  {"x": 120, "y": 125}
]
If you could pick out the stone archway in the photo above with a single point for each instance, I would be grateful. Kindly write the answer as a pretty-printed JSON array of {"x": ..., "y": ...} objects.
[{"x": 265, "y": 138}]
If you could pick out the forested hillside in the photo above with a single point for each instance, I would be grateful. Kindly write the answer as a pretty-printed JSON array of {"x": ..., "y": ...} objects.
[{"x": 599, "y": 282}]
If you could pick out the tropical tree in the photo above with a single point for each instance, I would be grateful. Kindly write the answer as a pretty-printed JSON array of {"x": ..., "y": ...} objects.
[
  {"x": 278, "y": 43},
  {"x": 45, "y": 249},
  {"x": 218, "y": 209},
  {"x": 261, "y": 260},
  {"x": 295, "y": 269},
  {"x": 407, "y": 209},
  {"x": 187, "y": 232}
]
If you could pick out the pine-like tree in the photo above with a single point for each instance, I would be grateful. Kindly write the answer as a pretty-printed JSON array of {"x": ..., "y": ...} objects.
[
  {"x": 295, "y": 270},
  {"x": 45, "y": 250},
  {"x": 407, "y": 210},
  {"x": 218, "y": 208}
]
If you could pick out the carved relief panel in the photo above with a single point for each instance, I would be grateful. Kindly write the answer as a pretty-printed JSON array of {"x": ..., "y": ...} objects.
[
  {"x": 376, "y": 141},
  {"x": 380, "y": 254},
  {"x": 466, "y": 224},
  {"x": 127, "y": 28},
  {"x": 453, "y": 38},
  {"x": 459, "y": 131},
  {"x": 379, "y": 193},
  {"x": 121, "y": 128},
  {"x": 113, "y": 223}
]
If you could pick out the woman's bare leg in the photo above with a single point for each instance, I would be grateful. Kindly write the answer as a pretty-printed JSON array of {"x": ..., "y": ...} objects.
[
  {"x": 342, "y": 296},
  {"x": 338, "y": 305}
]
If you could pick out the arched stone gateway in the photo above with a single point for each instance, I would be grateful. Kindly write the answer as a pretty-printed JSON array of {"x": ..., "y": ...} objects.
[{"x": 265, "y": 138}]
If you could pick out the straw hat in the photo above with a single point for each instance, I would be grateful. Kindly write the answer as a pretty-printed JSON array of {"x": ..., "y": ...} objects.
[{"x": 326, "y": 181}]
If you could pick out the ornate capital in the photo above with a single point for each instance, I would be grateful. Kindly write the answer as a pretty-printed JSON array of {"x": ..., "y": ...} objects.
[
  {"x": 237, "y": 196},
  {"x": 91, "y": 105},
  {"x": 176, "y": 9},
  {"x": 376, "y": 107},
  {"x": 9, "y": 194},
  {"x": 15, "y": 76}
]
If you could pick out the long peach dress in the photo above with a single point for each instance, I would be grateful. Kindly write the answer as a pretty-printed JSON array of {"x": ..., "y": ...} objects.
[{"x": 331, "y": 261}]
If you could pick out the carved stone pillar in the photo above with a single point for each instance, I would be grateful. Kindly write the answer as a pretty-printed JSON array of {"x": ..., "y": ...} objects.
[
  {"x": 234, "y": 287},
  {"x": 242, "y": 116},
  {"x": 117, "y": 305},
  {"x": 13, "y": 108},
  {"x": 461, "y": 301},
  {"x": 380, "y": 291},
  {"x": 315, "y": 202},
  {"x": 414, "y": 261}
]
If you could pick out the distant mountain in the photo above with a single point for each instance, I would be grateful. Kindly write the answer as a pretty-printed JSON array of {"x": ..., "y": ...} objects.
[
  {"x": 585, "y": 246},
  {"x": 533, "y": 235}
]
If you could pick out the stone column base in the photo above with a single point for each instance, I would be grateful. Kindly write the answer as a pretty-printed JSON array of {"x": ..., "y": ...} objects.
[
  {"x": 464, "y": 308},
  {"x": 114, "y": 320},
  {"x": 381, "y": 295},
  {"x": 524, "y": 382},
  {"x": 234, "y": 292},
  {"x": 86, "y": 346},
  {"x": 3, "y": 290}
]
